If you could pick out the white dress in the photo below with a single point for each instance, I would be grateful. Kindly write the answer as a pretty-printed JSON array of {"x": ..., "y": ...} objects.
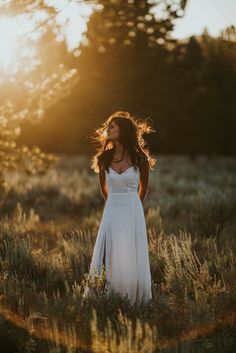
[{"x": 122, "y": 235}]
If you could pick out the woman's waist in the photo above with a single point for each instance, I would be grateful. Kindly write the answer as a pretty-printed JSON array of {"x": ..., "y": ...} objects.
[
  {"x": 117, "y": 193},
  {"x": 123, "y": 198}
]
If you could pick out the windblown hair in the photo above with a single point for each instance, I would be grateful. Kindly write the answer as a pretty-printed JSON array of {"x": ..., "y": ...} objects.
[{"x": 131, "y": 137}]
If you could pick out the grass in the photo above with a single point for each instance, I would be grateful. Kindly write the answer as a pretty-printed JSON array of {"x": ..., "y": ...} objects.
[{"x": 48, "y": 229}]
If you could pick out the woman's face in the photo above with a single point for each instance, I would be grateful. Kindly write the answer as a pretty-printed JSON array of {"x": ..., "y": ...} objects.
[{"x": 113, "y": 131}]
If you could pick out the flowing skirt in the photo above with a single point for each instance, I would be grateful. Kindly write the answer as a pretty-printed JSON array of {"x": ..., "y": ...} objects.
[{"x": 122, "y": 247}]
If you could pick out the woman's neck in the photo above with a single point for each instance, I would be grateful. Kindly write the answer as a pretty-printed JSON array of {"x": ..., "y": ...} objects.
[{"x": 118, "y": 148}]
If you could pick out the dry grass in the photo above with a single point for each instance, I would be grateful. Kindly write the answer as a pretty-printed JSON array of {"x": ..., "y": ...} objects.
[{"x": 48, "y": 230}]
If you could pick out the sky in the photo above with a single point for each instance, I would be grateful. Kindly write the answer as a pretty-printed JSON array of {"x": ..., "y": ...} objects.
[
  {"x": 73, "y": 16},
  {"x": 213, "y": 14}
]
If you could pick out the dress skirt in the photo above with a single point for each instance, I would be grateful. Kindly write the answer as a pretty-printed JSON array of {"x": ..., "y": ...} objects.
[{"x": 121, "y": 245}]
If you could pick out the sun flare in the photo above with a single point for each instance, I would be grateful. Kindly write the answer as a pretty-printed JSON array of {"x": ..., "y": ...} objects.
[
  {"x": 8, "y": 42},
  {"x": 16, "y": 53},
  {"x": 19, "y": 35}
]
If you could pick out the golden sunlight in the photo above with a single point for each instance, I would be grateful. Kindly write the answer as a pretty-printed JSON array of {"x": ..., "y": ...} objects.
[
  {"x": 8, "y": 42},
  {"x": 14, "y": 46},
  {"x": 73, "y": 20},
  {"x": 19, "y": 34}
]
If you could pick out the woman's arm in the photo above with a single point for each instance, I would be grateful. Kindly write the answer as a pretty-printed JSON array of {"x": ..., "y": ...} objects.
[
  {"x": 102, "y": 183},
  {"x": 144, "y": 178}
]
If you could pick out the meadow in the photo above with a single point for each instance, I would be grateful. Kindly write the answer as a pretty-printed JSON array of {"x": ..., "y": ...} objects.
[{"x": 47, "y": 233}]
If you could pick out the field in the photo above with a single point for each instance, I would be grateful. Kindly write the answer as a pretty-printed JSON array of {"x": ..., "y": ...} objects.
[{"x": 48, "y": 229}]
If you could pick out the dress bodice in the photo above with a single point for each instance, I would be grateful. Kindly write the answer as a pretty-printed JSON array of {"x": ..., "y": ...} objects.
[{"x": 128, "y": 181}]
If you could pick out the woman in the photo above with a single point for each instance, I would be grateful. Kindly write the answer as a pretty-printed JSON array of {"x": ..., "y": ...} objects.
[{"x": 122, "y": 162}]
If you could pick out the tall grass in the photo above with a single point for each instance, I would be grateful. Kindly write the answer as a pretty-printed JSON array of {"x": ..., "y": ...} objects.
[{"x": 45, "y": 257}]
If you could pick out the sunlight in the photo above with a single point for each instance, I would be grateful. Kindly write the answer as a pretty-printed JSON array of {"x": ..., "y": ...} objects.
[
  {"x": 73, "y": 19},
  {"x": 8, "y": 43},
  {"x": 15, "y": 49},
  {"x": 68, "y": 337},
  {"x": 19, "y": 34}
]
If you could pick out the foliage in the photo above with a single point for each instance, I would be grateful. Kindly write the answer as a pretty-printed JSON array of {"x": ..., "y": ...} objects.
[
  {"x": 27, "y": 93},
  {"x": 132, "y": 23}
]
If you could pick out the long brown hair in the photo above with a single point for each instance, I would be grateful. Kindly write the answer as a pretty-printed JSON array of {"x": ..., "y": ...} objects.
[{"x": 131, "y": 137}]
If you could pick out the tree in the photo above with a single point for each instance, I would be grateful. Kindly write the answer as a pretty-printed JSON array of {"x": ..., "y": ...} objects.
[
  {"x": 30, "y": 87},
  {"x": 229, "y": 33},
  {"x": 121, "y": 60},
  {"x": 138, "y": 23}
]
